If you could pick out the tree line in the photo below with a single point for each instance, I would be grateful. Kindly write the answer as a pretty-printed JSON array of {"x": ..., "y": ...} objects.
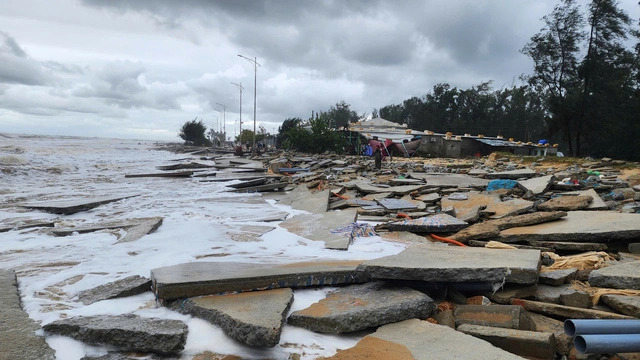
[{"x": 583, "y": 92}]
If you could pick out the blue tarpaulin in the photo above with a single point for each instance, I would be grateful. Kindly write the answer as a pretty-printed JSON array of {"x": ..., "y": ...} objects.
[{"x": 501, "y": 184}]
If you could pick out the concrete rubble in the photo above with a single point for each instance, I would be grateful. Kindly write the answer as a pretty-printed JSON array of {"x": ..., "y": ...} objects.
[
  {"x": 254, "y": 318},
  {"x": 126, "y": 332},
  {"x": 502, "y": 296},
  {"x": 360, "y": 307}
]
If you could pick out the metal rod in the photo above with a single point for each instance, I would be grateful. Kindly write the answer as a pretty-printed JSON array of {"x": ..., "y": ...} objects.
[
  {"x": 254, "y": 61},
  {"x": 608, "y": 343},
  {"x": 573, "y": 327},
  {"x": 240, "y": 134}
]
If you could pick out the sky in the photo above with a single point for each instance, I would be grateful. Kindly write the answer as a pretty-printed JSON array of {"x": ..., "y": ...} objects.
[{"x": 140, "y": 69}]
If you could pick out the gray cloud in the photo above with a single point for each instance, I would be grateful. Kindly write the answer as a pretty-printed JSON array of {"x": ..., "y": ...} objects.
[{"x": 17, "y": 67}]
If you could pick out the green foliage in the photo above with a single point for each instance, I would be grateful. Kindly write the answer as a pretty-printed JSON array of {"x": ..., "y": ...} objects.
[
  {"x": 287, "y": 125},
  {"x": 339, "y": 115},
  {"x": 316, "y": 137},
  {"x": 193, "y": 133},
  {"x": 590, "y": 80},
  {"x": 246, "y": 137}
]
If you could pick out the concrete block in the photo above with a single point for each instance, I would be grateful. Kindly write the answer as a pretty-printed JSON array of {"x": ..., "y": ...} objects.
[
  {"x": 359, "y": 307},
  {"x": 254, "y": 318},
  {"x": 126, "y": 332},
  {"x": 623, "y": 276},
  {"x": 557, "y": 277},
  {"x": 506, "y": 294},
  {"x": 628, "y": 305},
  {"x": 420, "y": 340},
  {"x": 532, "y": 344},
  {"x": 72, "y": 206},
  {"x": 457, "y": 264},
  {"x": 439, "y": 223},
  {"x": 129, "y": 286},
  {"x": 504, "y": 316},
  {"x": 208, "y": 278}
]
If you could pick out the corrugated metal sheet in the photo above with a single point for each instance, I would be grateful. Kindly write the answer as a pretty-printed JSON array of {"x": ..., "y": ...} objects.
[{"x": 498, "y": 143}]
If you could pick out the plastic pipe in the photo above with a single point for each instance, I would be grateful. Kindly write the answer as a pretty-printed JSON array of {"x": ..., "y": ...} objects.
[
  {"x": 575, "y": 327},
  {"x": 609, "y": 343}
]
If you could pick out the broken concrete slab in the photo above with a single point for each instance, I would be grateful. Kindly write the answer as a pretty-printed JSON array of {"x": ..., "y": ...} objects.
[
  {"x": 506, "y": 294},
  {"x": 542, "y": 323},
  {"x": 491, "y": 228},
  {"x": 189, "y": 165},
  {"x": 570, "y": 246},
  {"x": 537, "y": 185},
  {"x": 512, "y": 174},
  {"x": 22, "y": 223},
  {"x": 429, "y": 198},
  {"x": 276, "y": 186},
  {"x": 447, "y": 180},
  {"x": 207, "y": 278},
  {"x": 126, "y": 332},
  {"x": 248, "y": 183},
  {"x": 563, "y": 295},
  {"x": 254, "y": 318},
  {"x": 302, "y": 198},
  {"x": 396, "y": 204},
  {"x": 248, "y": 233},
  {"x": 171, "y": 174},
  {"x": 531, "y": 344},
  {"x": 72, "y": 206},
  {"x": 557, "y": 277},
  {"x": 457, "y": 264},
  {"x": 18, "y": 339},
  {"x": 628, "y": 305},
  {"x": 596, "y": 201},
  {"x": 439, "y": 223},
  {"x": 129, "y": 286},
  {"x": 503, "y": 316},
  {"x": 146, "y": 227},
  {"x": 468, "y": 209},
  {"x": 567, "y": 312},
  {"x": 420, "y": 340},
  {"x": 246, "y": 209},
  {"x": 623, "y": 276},
  {"x": 324, "y": 227},
  {"x": 395, "y": 190},
  {"x": 579, "y": 226},
  {"x": 360, "y": 307},
  {"x": 566, "y": 203}
]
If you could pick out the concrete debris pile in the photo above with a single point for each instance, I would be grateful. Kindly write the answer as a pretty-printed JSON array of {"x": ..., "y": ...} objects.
[{"x": 498, "y": 255}]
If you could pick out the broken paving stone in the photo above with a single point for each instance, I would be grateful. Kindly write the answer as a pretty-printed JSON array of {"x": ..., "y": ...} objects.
[
  {"x": 247, "y": 233},
  {"x": 512, "y": 174},
  {"x": 570, "y": 246},
  {"x": 468, "y": 209},
  {"x": 509, "y": 292},
  {"x": 18, "y": 339},
  {"x": 126, "y": 332},
  {"x": 579, "y": 226},
  {"x": 173, "y": 174},
  {"x": 439, "y": 223},
  {"x": 628, "y": 305},
  {"x": 491, "y": 228},
  {"x": 326, "y": 227},
  {"x": 396, "y": 190},
  {"x": 129, "y": 286},
  {"x": 457, "y": 264},
  {"x": 72, "y": 206},
  {"x": 397, "y": 204},
  {"x": 450, "y": 180},
  {"x": 566, "y": 203},
  {"x": 537, "y": 185},
  {"x": 207, "y": 278},
  {"x": 504, "y": 316},
  {"x": 302, "y": 198},
  {"x": 557, "y": 277},
  {"x": 529, "y": 344},
  {"x": 563, "y": 295},
  {"x": 144, "y": 228},
  {"x": 568, "y": 312},
  {"x": 360, "y": 307},
  {"x": 429, "y": 198},
  {"x": 549, "y": 325},
  {"x": 424, "y": 341},
  {"x": 276, "y": 186},
  {"x": 623, "y": 276},
  {"x": 596, "y": 201},
  {"x": 22, "y": 223},
  {"x": 254, "y": 318}
]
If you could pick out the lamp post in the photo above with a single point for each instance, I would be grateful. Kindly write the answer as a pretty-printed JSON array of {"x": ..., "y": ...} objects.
[
  {"x": 254, "y": 61},
  {"x": 240, "y": 133},
  {"x": 224, "y": 120}
]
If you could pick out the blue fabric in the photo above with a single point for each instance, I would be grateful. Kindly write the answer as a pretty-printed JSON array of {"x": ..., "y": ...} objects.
[{"x": 501, "y": 184}]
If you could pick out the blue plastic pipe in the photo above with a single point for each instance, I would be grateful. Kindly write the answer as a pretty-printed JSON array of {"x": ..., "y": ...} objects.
[
  {"x": 609, "y": 343},
  {"x": 575, "y": 327}
]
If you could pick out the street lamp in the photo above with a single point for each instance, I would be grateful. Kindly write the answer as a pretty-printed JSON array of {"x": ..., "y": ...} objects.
[
  {"x": 240, "y": 88},
  {"x": 254, "y": 61},
  {"x": 224, "y": 120}
]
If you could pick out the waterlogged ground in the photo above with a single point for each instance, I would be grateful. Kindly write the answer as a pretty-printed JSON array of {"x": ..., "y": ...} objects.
[{"x": 202, "y": 222}]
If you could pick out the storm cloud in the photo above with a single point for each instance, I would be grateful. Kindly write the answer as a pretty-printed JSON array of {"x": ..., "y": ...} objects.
[{"x": 149, "y": 65}]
